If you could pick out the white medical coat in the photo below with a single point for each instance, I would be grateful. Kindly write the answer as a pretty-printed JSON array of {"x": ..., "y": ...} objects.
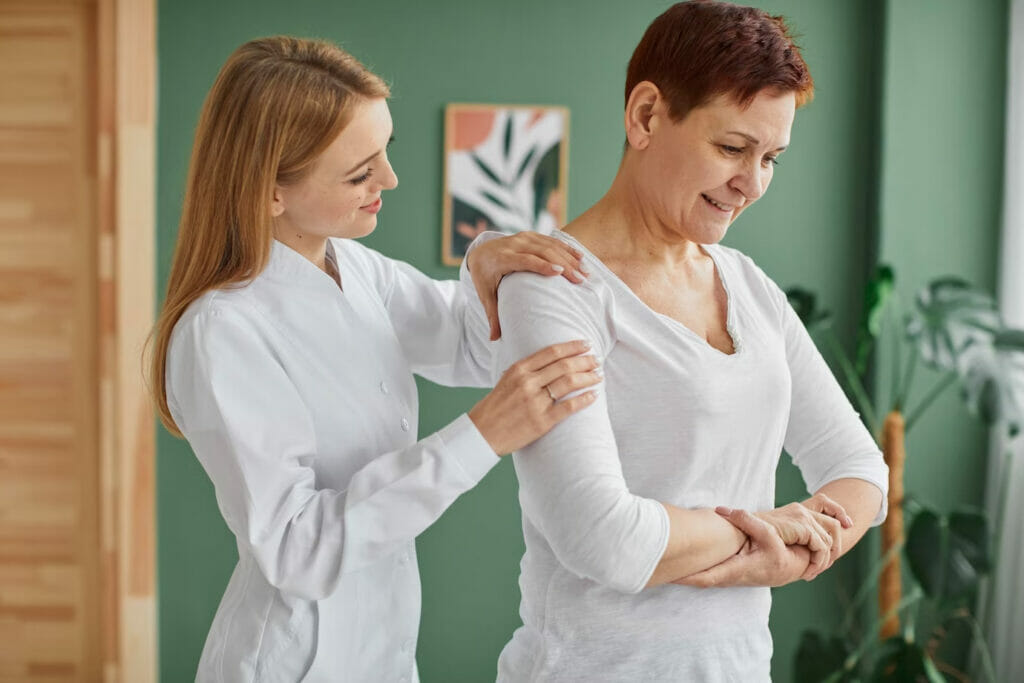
[{"x": 298, "y": 399}]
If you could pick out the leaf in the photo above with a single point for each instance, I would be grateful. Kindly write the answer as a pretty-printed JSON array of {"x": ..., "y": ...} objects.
[
  {"x": 992, "y": 378},
  {"x": 1008, "y": 339},
  {"x": 948, "y": 554},
  {"x": 819, "y": 658},
  {"x": 876, "y": 296},
  {"x": 494, "y": 199},
  {"x": 805, "y": 303},
  {"x": 901, "y": 661},
  {"x": 526, "y": 162},
  {"x": 949, "y": 315},
  {"x": 508, "y": 136},
  {"x": 486, "y": 170}
]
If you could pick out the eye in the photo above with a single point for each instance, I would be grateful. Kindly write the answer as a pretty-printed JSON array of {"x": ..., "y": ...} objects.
[
  {"x": 730, "y": 150},
  {"x": 361, "y": 179},
  {"x": 774, "y": 161}
]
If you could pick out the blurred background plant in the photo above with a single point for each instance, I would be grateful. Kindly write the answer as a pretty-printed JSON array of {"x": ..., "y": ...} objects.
[{"x": 956, "y": 330}]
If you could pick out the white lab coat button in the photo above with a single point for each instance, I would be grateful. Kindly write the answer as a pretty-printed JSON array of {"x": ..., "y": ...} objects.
[
  {"x": 384, "y": 389},
  {"x": 405, "y": 425}
]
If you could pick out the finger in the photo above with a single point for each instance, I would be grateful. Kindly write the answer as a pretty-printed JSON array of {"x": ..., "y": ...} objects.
[
  {"x": 546, "y": 241},
  {"x": 562, "y": 410},
  {"x": 758, "y": 530},
  {"x": 833, "y": 509},
  {"x": 834, "y": 529},
  {"x": 553, "y": 251},
  {"x": 567, "y": 384},
  {"x": 566, "y": 366},
  {"x": 550, "y": 354},
  {"x": 490, "y": 304},
  {"x": 731, "y": 572},
  {"x": 532, "y": 263}
]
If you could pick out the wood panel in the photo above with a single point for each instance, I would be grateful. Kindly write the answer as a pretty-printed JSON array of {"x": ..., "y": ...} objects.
[
  {"x": 77, "y": 167},
  {"x": 49, "y": 529}
]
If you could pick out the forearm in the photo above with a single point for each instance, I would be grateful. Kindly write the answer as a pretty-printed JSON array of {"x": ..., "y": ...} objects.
[
  {"x": 698, "y": 539},
  {"x": 861, "y": 500}
]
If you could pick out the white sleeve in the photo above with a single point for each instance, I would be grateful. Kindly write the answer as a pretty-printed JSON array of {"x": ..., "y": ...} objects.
[
  {"x": 570, "y": 480},
  {"x": 825, "y": 436},
  {"x": 250, "y": 429},
  {"x": 440, "y": 323}
]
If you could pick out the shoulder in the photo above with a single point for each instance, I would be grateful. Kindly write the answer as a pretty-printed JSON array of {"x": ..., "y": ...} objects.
[
  {"x": 745, "y": 278},
  {"x": 225, "y": 320}
]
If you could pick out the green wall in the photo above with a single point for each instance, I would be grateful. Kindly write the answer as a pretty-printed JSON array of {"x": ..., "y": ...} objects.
[{"x": 923, "y": 200}]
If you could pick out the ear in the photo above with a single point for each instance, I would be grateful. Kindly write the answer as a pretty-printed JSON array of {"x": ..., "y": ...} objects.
[
  {"x": 277, "y": 202},
  {"x": 643, "y": 107}
]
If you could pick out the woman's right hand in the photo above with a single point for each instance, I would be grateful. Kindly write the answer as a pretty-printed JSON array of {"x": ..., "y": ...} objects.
[
  {"x": 529, "y": 399},
  {"x": 819, "y": 530}
]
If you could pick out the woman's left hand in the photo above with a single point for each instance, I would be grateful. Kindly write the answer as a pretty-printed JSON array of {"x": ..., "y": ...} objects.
[{"x": 524, "y": 251}]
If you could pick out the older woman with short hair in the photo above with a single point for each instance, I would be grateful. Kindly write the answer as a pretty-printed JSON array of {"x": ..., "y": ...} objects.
[{"x": 668, "y": 478}]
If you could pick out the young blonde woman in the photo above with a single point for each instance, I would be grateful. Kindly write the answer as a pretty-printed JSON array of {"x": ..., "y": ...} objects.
[{"x": 285, "y": 355}]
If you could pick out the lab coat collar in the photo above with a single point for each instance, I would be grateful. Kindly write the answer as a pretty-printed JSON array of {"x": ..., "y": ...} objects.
[{"x": 288, "y": 265}]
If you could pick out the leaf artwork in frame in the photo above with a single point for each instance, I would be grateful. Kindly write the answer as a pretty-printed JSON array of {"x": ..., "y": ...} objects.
[{"x": 505, "y": 170}]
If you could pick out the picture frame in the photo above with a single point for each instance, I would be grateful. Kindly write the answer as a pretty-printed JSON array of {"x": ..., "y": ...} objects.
[{"x": 505, "y": 169}]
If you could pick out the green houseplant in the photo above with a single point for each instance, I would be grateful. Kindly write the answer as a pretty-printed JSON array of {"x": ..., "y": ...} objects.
[{"x": 956, "y": 330}]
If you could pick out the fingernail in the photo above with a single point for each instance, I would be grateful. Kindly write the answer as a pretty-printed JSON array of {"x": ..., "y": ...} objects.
[
  {"x": 848, "y": 521},
  {"x": 584, "y": 271},
  {"x": 557, "y": 268},
  {"x": 586, "y": 344},
  {"x": 724, "y": 511},
  {"x": 578, "y": 274},
  {"x": 598, "y": 371}
]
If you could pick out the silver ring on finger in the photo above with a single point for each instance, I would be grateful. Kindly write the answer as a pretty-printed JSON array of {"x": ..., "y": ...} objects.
[{"x": 547, "y": 388}]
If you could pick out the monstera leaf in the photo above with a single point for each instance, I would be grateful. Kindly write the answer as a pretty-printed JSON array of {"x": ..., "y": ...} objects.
[
  {"x": 819, "y": 659},
  {"x": 901, "y": 661},
  {"x": 876, "y": 295},
  {"x": 805, "y": 303},
  {"x": 992, "y": 377},
  {"x": 948, "y": 554},
  {"x": 949, "y": 316}
]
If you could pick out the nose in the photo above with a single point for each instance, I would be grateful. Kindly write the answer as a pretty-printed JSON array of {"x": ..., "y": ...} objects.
[
  {"x": 388, "y": 179},
  {"x": 752, "y": 180}
]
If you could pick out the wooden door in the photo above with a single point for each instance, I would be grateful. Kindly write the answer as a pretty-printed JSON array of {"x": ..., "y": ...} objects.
[{"x": 67, "y": 589}]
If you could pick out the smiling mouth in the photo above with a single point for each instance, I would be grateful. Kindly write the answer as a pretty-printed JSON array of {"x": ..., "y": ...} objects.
[
  {"x": 718, "y": 205},
  {"x": 374, "y": 206}
]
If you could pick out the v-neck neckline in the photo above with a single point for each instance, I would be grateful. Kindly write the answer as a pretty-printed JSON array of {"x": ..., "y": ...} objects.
[{"x": 730, "y": 308}]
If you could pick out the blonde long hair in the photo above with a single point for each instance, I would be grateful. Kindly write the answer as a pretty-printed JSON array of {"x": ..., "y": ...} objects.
[{"x": 277, "y": 103}]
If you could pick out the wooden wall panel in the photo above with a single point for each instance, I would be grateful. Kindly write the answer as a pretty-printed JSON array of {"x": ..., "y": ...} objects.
[
  {"x": 77, "y": 166},
  {"x": 49, "y": 550}
]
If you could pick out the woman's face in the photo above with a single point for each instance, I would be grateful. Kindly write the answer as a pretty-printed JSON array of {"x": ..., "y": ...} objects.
[
  {"x": 700, "y": 173},
  {"x": 341, "y": 195}
]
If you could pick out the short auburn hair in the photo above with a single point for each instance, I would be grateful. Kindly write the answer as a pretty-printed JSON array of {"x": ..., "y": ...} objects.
[{"x": 700, "y": 49}]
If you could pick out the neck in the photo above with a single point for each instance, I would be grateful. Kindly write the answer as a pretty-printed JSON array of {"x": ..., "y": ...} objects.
[
  {"x": 622, "y": 224},
  {"x": 311, "y": 247}
]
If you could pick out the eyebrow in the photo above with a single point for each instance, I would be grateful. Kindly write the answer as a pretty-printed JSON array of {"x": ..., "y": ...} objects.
[
  {"x": 752, "y": 140},
  {"x": 361, "y": 163}
]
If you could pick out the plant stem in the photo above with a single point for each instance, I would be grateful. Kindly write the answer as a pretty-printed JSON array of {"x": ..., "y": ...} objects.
[
  {"x": 935, "y": 392},
  {"x": 865, "y": 588},
  {"x": 871, "y": 637},
  {"x": 979, "y": 642},
  {"x": 897, "y": 355},
  {"x": 908, "y": 379},
  {"x": 860, "y": 395}
]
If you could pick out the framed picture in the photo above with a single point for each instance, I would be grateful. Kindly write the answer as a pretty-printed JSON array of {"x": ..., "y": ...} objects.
[{"x": 505, "y": 169}]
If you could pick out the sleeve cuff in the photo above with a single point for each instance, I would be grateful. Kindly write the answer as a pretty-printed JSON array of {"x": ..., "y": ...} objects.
[{"x": 466, "y": 444}]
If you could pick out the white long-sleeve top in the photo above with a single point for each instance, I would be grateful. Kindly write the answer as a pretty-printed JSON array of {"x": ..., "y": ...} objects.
[
  {"x": 675, "y": 421},
  {"x": 298, "y": 399}
]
